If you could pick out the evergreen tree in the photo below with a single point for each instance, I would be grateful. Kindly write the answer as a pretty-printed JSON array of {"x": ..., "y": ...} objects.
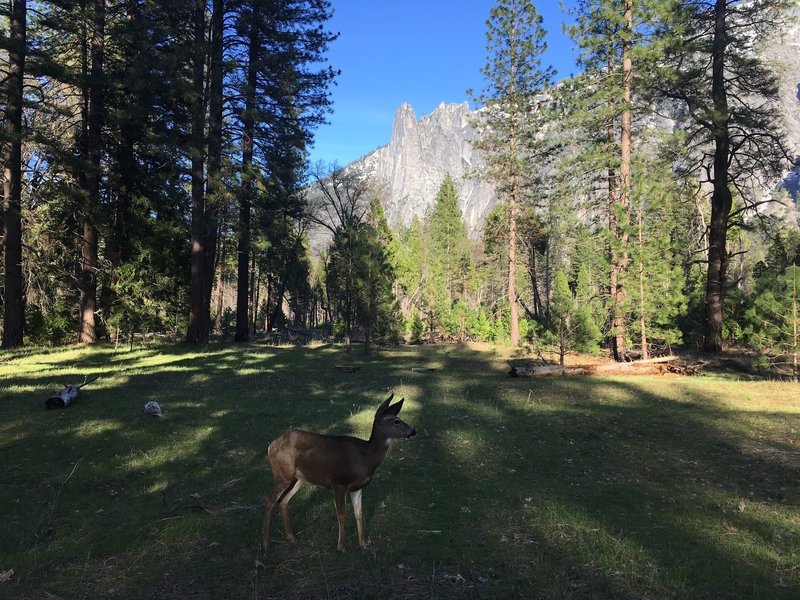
[
  {"x": 446, "y": 261},
  {"x": 659, "y": 296},
  {"x": 449, "y": 240},
  {"x": 13, "y": 289},
  {"x": 774, "y": 321},
  {"x": 93, "y": 90},
  {"x": 600, "y": 103},
  {"x": 410, "y": 256},
  {"x": 283, "y": 95},
  {"x": 712, "y": 67},
  {"x": 561, "y": 307},
  {"x": 514, "y": 76}
]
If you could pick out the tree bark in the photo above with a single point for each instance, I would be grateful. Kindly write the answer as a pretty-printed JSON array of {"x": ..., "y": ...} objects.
[
  {"x": 512, "y": 270},
  {"x": 14, "y": 306},
  {"x": 618, "y": 336},
  {"x": 623, "y": 206},
  {"x": 721, "y": 199},
  {"x": 246, "y": 194},
  {"x": 642, "y": 299},
  {"x": 198, "y": 328},
  {"x": 94, "y": 147},
  {"x": 214, "y": 200}
]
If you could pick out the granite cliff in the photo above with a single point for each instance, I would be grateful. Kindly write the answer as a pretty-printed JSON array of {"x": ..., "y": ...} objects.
[{"x": 420, "y": 154}]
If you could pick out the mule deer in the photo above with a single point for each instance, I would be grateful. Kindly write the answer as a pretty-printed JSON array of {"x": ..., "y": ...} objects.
[{"x": 339, "y": 463}]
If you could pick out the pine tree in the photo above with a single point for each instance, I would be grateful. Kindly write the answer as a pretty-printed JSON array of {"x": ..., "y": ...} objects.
[
  {"x": 283, "y": 87},
  {"x": 514, "y": 76},
  {"x": 446, "y": 261},
  {"x": 449, "y": 239},
  {"x": 199, "y": 325},
  {"x": 774, "y": 321},
  {"x": 562, "y": 308},
  {"x": 600, "y": 103},
  {"x": 13, "y": 306},
  {"x": 94, "y": 117},
  {"x": 712, "y": 67},
  {"x": 658, "y": 299}
]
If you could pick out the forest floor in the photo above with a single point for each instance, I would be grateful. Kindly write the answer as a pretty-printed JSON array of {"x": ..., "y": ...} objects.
[{"x": 633, "y": 487}]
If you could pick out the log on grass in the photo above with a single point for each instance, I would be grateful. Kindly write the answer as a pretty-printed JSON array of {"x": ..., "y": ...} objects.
[
  {"x": 67, "y": 396},
  {"x": 639, "y": 367}
]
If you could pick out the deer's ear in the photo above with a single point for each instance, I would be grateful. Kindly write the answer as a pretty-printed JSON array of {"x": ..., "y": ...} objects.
[
  {"x": 385, "y": 404},
  {"x": 394, "y": 408}
]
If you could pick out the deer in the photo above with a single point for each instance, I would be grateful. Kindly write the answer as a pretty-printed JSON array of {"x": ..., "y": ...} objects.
[{"x": 335, "y": 462}]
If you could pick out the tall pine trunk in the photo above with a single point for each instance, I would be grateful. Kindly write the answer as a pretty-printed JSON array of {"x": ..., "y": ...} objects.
[
  {"x": 214, "y": 188},
  {"x": 246, "y": 194},
  {"x": 642, "y": 298},
  {"x": 14, "y": 306},
  {"x": 512, "y": 271},
  {"x": 721, "y": 199},
  {"x": 199, "y": 317},
  {"x": 618, "y": 334},
  {"x": 94, "y": 148},
  {"x": 622, "y": 208}
]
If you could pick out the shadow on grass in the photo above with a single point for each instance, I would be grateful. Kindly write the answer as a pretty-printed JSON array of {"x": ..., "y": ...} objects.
[{"x": 543, "y": 488}]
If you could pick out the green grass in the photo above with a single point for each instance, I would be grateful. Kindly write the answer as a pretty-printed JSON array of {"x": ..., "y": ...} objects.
[{"x": 640, "y": 487}]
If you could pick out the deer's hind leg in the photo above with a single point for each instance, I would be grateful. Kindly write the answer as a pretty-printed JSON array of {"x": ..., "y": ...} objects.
[
  {"x": 280, "y": 489},
  {"x": 283, "y": 502},
  {"x": 339, "y": 493}
]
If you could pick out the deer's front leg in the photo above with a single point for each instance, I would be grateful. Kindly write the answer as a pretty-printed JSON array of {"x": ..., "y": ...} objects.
[
  {"x": 358, "y": 511},
  {"x": 339, "y": 496}
]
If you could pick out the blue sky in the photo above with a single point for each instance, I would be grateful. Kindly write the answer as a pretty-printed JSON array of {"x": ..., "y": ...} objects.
[{"x": 418, "y": 51}]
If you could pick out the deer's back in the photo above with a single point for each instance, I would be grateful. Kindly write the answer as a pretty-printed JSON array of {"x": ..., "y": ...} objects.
[{"x": 324, "y": 460}]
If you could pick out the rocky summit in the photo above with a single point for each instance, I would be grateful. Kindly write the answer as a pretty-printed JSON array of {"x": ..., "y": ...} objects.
[{"x": 421, "y": 153}]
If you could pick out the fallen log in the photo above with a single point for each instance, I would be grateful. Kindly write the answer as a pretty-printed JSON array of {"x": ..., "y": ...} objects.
[
  {"x": 67, "y": 396},
  {"x": 639, "y": 367}
]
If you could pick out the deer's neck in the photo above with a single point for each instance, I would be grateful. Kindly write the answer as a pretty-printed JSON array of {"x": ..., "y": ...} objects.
[{"x": 378, "y": 446}]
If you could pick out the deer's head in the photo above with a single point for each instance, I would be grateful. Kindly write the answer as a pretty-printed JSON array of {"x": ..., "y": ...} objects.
[{"x": 387, "y": 425}]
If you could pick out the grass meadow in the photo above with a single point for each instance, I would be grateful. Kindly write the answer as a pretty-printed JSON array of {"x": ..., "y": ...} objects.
[{"x": 618, "y": 487}]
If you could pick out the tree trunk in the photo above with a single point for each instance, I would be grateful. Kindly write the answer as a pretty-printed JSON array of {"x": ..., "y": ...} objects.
[
  {"x": 625, "y": 183},
  {"x": 794, "y": 323},
  {"x": 198, "y": 328},
  {"x": 213, "y": 204},
  {"x": 13, "y": 305},
  {"x": 246, "y": 194},
  {"x": 89, "y": 262},
  {"x": 220, "y": 289},
  {"x": 642, "y": 299},
  {"x": 512, "y": 270},
  {"x": 537, "y": 298},
  {"x": 618, "y": 337},
  {"x": 276, "y": 309},
  {"x": 721, "y": 199}
]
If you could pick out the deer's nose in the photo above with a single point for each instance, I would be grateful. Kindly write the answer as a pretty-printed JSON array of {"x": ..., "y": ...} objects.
[{"x": 412, "y": 433}]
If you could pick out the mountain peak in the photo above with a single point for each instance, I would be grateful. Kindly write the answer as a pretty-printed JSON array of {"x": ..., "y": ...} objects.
[{"x": 420, "y": 155}]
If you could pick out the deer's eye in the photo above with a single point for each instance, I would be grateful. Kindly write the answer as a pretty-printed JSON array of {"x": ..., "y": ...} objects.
[{"x": 397, "y": 421}]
